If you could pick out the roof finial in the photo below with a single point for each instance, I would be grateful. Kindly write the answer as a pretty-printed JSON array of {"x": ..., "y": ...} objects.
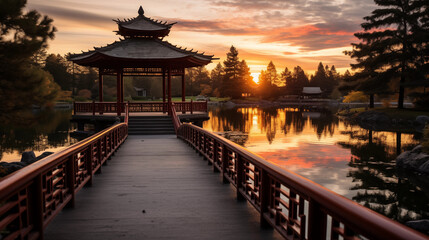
[{"x": 141, "y": 11}]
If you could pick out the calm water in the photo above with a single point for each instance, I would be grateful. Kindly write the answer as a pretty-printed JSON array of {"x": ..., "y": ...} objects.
[
  {"x": 354, "y": 162},
  {"x": 37, "y": 131}
]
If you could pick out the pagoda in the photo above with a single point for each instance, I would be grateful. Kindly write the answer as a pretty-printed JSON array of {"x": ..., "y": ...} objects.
[{"x": 142, "y": 51}]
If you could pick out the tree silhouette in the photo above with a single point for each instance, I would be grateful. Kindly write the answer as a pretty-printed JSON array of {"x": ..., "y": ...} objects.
[
  {"x": 22, "y": 82},
  {"x": 388, "y": 50}
]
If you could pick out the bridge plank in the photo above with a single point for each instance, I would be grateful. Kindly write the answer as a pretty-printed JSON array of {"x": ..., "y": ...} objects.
[{"x": 156, "y": 187}]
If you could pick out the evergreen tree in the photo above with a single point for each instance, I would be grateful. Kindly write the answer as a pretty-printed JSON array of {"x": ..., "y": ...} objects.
[
  {"x": 245, "y": 77},
  {"x": 300, "y": 80},
  {"x": 57, "y": 67},
  {"x": 216, "y": 77},
  {"x": 22, "y": 82},
  {"x": 286, "y": 76},
  {"x": 232, "y": 83},
  {"x": 387, "y": 54},
  {"x": 272, "y": 74}
]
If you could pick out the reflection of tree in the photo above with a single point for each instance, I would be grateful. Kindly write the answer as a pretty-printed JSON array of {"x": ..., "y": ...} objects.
[
  {"x": 326, "y": 123},
  {"x": 373, "y": 169},
  {"x": 35, "y": 131},
  {"x": 230, "y": 119},
  {"x": 269, "y": 122},
  {"x": 295, "y": 121}
]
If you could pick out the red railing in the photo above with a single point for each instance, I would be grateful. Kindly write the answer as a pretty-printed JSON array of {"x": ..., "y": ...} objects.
[
  {"x": 112, "y": 107},
  {"x": 176, "y": 120},
  {"x": 295, "y": 206},
  {"x": 31, "y": 197}
]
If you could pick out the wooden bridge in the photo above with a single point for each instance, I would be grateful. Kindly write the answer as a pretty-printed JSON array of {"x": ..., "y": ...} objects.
[{"x": 159, "y": 187}]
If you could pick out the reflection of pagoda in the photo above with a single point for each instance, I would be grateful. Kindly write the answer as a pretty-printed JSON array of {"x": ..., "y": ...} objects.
[{"x": 142, "y": 52}]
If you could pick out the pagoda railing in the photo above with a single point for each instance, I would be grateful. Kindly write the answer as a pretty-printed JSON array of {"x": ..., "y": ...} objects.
[
  {"x": 113, "y": 107},
  {"x": 31, "y": 197},
  {"x": 295, "y": 206}
]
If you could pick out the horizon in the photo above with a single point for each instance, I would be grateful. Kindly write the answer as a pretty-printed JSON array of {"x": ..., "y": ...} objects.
[{"x": 289, "y": 33}]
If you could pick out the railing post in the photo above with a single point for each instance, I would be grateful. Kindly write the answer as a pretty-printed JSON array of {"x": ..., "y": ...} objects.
[
  {"x": 225, "y": 164},
  {"x": 89, "y": 158},
  {"x": 93, "y": 107},
  {"x": 265, "y": 195},
  {"x": 192, "y": 107},
  {"x": 74, "y": 108},
  {"x": 316, "y": 221},
  {"x": 38, "y": 205},
  {"x": 215, "y": 155},
  {"x": 207, "y": 109},
  {"x": 239, "y": 180},
  {"x": 71, "y": 177}
]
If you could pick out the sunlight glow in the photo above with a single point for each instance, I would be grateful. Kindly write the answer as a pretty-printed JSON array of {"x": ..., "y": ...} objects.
[{"x": 255, "y": 77}]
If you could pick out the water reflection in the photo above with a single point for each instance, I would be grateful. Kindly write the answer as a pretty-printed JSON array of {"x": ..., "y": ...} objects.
[
  {"x": 34, "y": 131},
  {"x": 354, "y": 162}
]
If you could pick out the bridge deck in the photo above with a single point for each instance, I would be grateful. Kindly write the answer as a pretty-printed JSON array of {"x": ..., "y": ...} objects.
[{"x": 156, "y": 187}]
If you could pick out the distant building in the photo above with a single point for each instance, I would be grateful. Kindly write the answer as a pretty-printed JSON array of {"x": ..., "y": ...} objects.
[
  {"x": 141, "y": 92},
  {"x": 310, "y": 92}
]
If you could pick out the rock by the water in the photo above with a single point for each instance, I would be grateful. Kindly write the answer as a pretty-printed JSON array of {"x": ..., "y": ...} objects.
[
  {"x": 43, "y": 155},
  {"x": 372, "y": 116},
  {"x": 419, "y": 225},
  {"x": 422, "y": 120},
  {"x": 415, "y": 159},
  {"x": 28, "y": 157}
]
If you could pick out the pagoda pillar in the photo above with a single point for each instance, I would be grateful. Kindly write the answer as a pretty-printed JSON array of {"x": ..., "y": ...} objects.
[
  {"x": 169, "y": 90},
  {"x": 122, "y": 86},
  {"x": 163, "y": 89},
  {"x": 100, "y": 85},
  {"x": 183, "y": 90},
  {"x": 118, "y": 92}
]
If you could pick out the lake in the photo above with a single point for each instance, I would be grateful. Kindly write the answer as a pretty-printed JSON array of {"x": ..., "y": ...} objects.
[
  {"x": 38, "y": 131},
  {"x": 343, "y": 157}
]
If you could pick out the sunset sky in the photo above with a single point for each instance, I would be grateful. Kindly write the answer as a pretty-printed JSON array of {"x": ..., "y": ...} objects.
[{"x": 287, "y": 32}]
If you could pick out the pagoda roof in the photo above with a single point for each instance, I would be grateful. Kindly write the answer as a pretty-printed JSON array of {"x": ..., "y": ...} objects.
[
  {"x": 142, "y": 26},
  {"x": 141, "y": 52}
]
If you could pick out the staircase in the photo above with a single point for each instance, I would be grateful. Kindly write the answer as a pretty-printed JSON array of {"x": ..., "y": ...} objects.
[{"x": 150, "y": 125}]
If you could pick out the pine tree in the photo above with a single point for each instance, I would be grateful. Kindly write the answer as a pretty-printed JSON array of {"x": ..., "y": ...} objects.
[
  {"x": 22, "y": 82},
  {"x": 232, "y": 83},
  {"x": 245, "y": 77},
  {"x": 216, "y": 77},
  {"x": 388, "y": 47},
  {"x": 272, "y": 74}
]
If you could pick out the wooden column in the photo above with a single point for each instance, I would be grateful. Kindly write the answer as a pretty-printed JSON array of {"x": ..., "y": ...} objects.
[
  {"x": 118, "y": 92},
  {"x": 163, "y": 89},
  {"x": 183, "y": 91},
  {"x": 100, "y": 85},
  {"x": 122, "y": 87},
  {"x": 169, "y": 90}
]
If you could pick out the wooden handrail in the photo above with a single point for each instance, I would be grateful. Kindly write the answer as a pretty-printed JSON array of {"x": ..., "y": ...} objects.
[
  {"x": 31, "y": 197},
  {"x": 176, "y": 120},
  {"x": 112, "y": 107},
  {"x": 295, "y": 206}
]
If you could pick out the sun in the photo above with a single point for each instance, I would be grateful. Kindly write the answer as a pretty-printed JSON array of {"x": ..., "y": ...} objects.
[{"x": 255, "y": 77}]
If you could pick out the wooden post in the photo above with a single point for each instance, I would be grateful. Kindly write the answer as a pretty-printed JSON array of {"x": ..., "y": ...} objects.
[
  {"x": 240, "y": 174},
  {"x": 183, "y": 90},
  {"x": 118, "y": 92},
  {"x": 225, "y": 163},
  {"x": 169, "y": 90},
  {"x": 93, "y": 107},
  {"x": 265, "y": 193},
  {"x": 71, "y": 178},
  {"x": 316, "y": 221},
  {"x": 192, "y": 107},
  {"x": 122, "y": 87},
  {"x": 163, "y": 90},
  {"x": 100, "y": 85},
  {"x": 38, "y": 205},
  {"x": 74, "y": 107}
]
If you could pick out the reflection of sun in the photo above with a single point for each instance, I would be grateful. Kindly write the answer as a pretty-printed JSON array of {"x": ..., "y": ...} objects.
[{"x": 255, "y": 77}]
